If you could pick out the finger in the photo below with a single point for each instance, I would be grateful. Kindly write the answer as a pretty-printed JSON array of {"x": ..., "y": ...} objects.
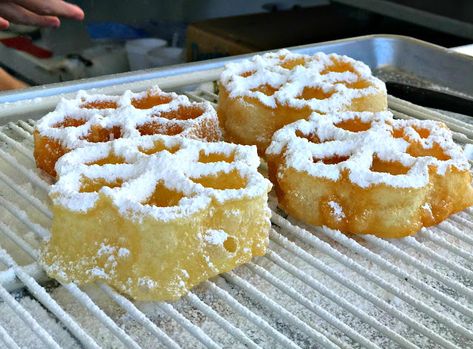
[
  {"x": 52, "y": 8},
  {"x": 8, "y": 82},
  {"x": 17, "y": 14},
  {"x": 4, "y": 24}
]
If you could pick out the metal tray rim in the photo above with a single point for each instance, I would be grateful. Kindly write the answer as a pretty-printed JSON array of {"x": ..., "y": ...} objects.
[{"x": 135, "y": 76}]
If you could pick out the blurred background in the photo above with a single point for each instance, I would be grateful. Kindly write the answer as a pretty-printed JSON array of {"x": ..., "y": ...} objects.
[{"x": 119, "y": 36}]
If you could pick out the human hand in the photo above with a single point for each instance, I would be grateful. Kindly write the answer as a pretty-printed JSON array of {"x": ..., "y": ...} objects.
[{"x": 42, "y": 13}]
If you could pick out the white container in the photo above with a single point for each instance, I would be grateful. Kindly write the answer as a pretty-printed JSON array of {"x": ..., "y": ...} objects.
[
  {"x": 162, "y": 56},
  {"x": 137, "y": 50}
]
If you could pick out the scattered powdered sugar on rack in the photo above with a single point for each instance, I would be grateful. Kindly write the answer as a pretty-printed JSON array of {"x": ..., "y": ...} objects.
[
  {"x": 24, "y": 336},
  {"x": 307, "y": 144},
  {"x": 288, "y": 74},
  {"x": 211, "y": 292}
]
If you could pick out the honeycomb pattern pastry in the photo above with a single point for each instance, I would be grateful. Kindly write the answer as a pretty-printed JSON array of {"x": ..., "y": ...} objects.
[
  {"x": 366, "y": 173},
  {"x": 260, "y": 95},
  {"x": 156, "y": 215},
  {"x": 89, "y": 119}
]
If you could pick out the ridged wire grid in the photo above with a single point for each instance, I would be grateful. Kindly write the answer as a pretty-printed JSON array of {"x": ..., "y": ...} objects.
[{"x": 315, "y": 288}]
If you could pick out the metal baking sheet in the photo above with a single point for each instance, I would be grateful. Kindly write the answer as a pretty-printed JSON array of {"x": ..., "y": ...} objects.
[{"x": 392, "y": 57}]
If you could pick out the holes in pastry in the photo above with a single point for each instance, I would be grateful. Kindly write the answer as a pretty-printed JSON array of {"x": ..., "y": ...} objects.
[
  {"x": 215, "y": 157},
  {"x": 338, "y": 67},
  {"x": 401, "y": 133},
  {"x": 150, "y": 101},
  {"x": 111, "y": 159},
  {"x": 163, "y": 196},
  {"x": 315, "y": 93},
  {"x": 99, "y": 105},
  {"x": 99, "y": 134},
  {"x": 159, "y": 146},
  {"x": 230, "y": 244},
  {"x": 423, "y": 132},
  {"x": 247, "y": 74},
  {"x": 89, "y": 185},
  {"x": 354, "y": 125},
  {"x": 331, "y": 160},
  {"x": 183, "y": 113},
  {"x": 70, "y": 122},
  {"x": 292, "y": 63},
  {"x": 358, "y": 85},
  {"x": 392, "y": 167},
  {"x": 222, "y": 180},
  {"x": 416, "y": 150},
  {"x": 311, "y": 137},
  {"x": 152, "y": 128},
  {"x": 265, "y": 89},
  {"x": 398, "y": 133}
]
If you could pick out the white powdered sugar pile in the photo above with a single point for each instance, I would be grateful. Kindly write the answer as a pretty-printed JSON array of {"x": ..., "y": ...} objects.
[
  {"x": 337, "y": 210},
  {"x": 215, "y": 237}
]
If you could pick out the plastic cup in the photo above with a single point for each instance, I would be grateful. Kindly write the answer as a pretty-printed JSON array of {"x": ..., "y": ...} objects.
[
  {"x": 137, "y": 50},
  {"x": 162, "y": 56}
]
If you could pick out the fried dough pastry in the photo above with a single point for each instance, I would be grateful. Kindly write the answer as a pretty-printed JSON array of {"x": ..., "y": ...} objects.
[
  {"x": 156, "y": 215},
  {"x": 89, "y": 119},
  {"x": 260, "y": 95},
  {"x": 366, "y": 173}
]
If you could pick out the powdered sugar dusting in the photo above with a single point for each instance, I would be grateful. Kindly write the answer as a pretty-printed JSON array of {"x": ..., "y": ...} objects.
[
  {"x": 123, "y": 252},
  {"x": 337, "y": 210},
  {"x": 386, "y": 139},
  {"x": 215, "y": 237},
  {"x": 122, "y": 114},
  {"x": 290, "y": 73},
  {"x": 469, "y": 151},
  {"x": 140, "y": 172}
]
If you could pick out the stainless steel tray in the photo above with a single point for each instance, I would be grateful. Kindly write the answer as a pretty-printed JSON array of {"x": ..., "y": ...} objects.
[{"x": 390, "y": 56}]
